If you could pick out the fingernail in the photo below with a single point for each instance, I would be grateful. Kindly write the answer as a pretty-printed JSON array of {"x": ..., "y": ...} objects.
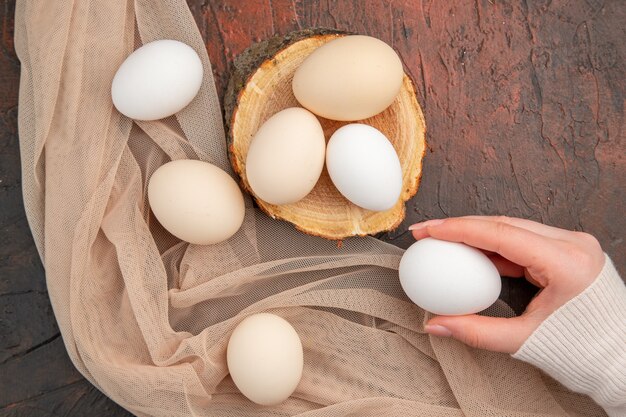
[
  {"x": 437, "y": 330},
  {"x": 418, "y": 226}
]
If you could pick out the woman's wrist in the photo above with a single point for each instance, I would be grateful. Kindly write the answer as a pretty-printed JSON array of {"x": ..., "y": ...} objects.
[{"x": 583, "y": 343}]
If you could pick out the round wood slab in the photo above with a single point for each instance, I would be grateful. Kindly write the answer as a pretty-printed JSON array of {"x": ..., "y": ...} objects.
[{"x": 261, "y": 86}]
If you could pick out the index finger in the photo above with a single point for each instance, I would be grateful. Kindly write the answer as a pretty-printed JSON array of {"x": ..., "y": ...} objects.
[{"x": 516, "y": 244}]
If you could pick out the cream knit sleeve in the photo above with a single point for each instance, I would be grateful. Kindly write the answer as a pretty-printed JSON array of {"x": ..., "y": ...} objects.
[{"x": 583, "y": 343}]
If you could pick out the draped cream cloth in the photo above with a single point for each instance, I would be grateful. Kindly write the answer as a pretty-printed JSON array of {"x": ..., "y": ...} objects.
[{"x": 146, "y": 318}]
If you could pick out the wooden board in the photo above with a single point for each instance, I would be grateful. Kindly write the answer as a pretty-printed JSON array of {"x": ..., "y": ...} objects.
[
  {"x": 524, "y": 103},
  {"x": 260, "y": 87}
]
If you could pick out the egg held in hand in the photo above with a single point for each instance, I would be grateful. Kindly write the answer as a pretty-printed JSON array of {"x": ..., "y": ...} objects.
[
  {"x": 157, "y": 80},
  {"x": 349, "y": 78},
  {"x": 286, "y": 156},
  {"x": 449, "y": 278},
  {"x": 196, "y": 201},
  {"x": 364, "y": 167},
  {"x": 265, "y": 358}
]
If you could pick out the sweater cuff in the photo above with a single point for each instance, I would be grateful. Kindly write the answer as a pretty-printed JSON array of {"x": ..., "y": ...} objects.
[{"x": 583, "y": 343}]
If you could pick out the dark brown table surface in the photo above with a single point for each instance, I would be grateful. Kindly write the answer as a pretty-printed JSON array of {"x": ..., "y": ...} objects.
[{"x": 524, "y": 102}]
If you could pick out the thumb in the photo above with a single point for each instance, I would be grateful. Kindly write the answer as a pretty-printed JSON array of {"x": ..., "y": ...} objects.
[{"x": 491, "y": 333}]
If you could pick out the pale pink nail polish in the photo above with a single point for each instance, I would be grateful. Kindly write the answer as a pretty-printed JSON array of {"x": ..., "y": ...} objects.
[
  {"x": 437, "y": 330},
  {"x": 428, "y": 223}
]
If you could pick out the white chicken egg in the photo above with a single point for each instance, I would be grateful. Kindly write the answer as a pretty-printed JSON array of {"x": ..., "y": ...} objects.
[
  {"x": 449, "y": 278},
  {"x": 196, "y": 201},
  {"x": 157, "y": 80},
  {"x": 364, "y": 167},
  {"x": 265, "y": 358}
]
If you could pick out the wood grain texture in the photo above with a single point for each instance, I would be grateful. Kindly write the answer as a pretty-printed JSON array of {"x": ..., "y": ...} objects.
[{"x": 524, "y": 103}]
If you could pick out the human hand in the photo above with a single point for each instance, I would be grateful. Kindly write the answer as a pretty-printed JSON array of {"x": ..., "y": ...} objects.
[{"x": 562, "y": 263}]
